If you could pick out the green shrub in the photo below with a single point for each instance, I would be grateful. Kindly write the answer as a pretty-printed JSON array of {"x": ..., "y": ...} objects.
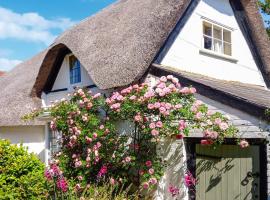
[{"x": 21, "y": 173}]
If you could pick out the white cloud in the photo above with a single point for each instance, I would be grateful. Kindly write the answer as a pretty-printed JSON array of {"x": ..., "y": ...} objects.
[
  {"x": 30, "y": 26},
  {"x": 7, "y": 64}
]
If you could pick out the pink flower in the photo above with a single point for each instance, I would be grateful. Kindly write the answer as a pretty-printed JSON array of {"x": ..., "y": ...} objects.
[
  {"x": 148, "y": 163},
  {"x": 161, "y": 85},
  {"x": 152, "y": 125},
  {"x": 210, "y": 134},
  {"x": 127, "y": 159},
  {"x": 88, "y": 140},
  {"x": 138, "y": 118},
  {"x": 80, "y": 178},
  {"x": 77, "y": 186},
  {"x": 96, "y": 95},
  {"x": 173, "y": 190},
  {"x": 170, "y": 77},
  {"x": 95, "y": 135},
  {"x": 133, "y": 97},
  {"x": 151, "y": 171},
  {"x": 153, "y": 181},
  {"x": 159, "y": 124},
  {"x": 78, "y": 164},
  {"x": 145, "y": 185},
  {"x": 84, "y": 118},
  {"x": 103, "y": 170},
  {"x": 62, "y": 184},
  {"x": 157, "y": 105},
  {"x": 244, "y": 144},
  {"x": 178, "y": 106},
  {"x": 189, "y": 180},
  {"x": 101, "y": 127},
  {"x": 184, "y": 90},
  {"x": 198, "y": 115},
  {"x": 163, "y": 79},
  {"x": 175, "y": 80},
  {"x": 182, "y": 125},
  {"x": 150, "y": 106},
  {"x": 207, "y": 142},
  {"x": 112, "y": 181},
  {"x": 155, "y": 132},
  {"x": 162, "y": 109},
  {"x": 162, "y": 94},
  {"x": 168, "y": 106},
  {"x": 218, "y": 121},
  {"x": 88, "y": 159},
  {"x": 192, "y": 90},
  {"x": 223, "y": 126}
]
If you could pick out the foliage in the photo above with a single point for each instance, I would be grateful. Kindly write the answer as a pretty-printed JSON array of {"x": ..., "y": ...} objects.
[
  {"x": 94, "y": 151},
  {"x": 21, "y": 173},
  {"x": 265, "y": 8}
]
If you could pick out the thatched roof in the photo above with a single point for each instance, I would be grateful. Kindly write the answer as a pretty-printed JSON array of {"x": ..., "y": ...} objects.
[
  {"x": 116, "y": 46},
  {"x": 15, "y": 88}
]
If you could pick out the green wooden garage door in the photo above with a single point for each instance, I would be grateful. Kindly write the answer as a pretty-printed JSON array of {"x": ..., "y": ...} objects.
[{"x": 227, "y": 173}]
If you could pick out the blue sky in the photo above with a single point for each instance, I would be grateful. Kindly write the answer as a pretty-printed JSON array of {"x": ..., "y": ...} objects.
[{"x": 29, "y": 26}]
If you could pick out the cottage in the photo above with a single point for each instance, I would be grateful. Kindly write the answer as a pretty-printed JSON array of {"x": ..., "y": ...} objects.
[{"x": 218, "y": 46}]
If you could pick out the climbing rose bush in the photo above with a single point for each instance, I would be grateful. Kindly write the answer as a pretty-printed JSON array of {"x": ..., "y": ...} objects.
[{"x": 95, "y": 151}]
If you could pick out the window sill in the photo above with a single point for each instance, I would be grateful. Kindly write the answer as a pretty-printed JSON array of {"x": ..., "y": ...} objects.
[{"x": 217, "y": 55}]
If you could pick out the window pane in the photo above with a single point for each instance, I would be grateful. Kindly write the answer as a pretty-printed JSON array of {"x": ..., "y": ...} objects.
[
  {"x": 227, "y": 48},
  {"x": 207, "y": 42},
  {"x": 74, "y": 70},
  {"x": 218, "y": 46},
  {"x": 227, "y": 36},
  {"x": 217, "y": 33},
  {"x": 207, "y": 29}
]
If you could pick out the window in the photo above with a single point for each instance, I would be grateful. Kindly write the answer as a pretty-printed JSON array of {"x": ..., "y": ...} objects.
[
  {"x": 217, "y": 38},
  {"x": 74, "y": 70}
]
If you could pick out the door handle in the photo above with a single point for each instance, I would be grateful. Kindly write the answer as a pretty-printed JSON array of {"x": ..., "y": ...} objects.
[{"x": 253, "y": 175}]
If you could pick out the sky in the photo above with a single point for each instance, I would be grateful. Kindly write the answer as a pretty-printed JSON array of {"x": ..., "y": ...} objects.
[{"x": 29, "y": 26}]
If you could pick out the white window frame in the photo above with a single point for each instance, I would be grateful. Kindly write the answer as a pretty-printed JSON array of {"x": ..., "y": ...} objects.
[{"x": 211, "y": 51}]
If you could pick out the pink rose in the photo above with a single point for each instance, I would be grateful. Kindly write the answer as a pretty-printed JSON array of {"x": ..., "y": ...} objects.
[
  {"x": 133, "y": 97},
  {"x": 80, "y": 178},
  {"x": 159, "y": 124},
  {"x": 153, "y": 181},
  {"x": 170, "y": 77},
  {"x": 178, "y": 106},
  {"x": 138, "y": 118},
  {"x": 151, "y": 171},
  {"x": 155, "y": 132},
  {"x": 182, "y": 125},
  {"x": 112, "y": 181},
  {"x": 163, "y": 79},
  {"x": 192, "y": 90},
  {"x": 198, "y": 115},
  {"x": 95, "y": 135},
  {"x": 152, "y": 125},
  {"x": 150, "y": 106},
  {"x": 145, "y": 185},
  {"x": 223, "y": 126},
  {"x": 244, "y": 144},
  {"x": 148, "y": 163},
  {"x": 157, "y": 105},
  {"x": 96, "y": 95},
  {"x": 127, "y": 159},
  {"x": 218, "y": 121},
  {"x": 207, "y": 142}
]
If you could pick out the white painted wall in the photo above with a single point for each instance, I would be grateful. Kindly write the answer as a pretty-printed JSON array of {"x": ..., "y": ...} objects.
[
  {"x": 184, "y": 53},
  {"x": 62, "y": 80},
  {"x": 32, "y": 137}
]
